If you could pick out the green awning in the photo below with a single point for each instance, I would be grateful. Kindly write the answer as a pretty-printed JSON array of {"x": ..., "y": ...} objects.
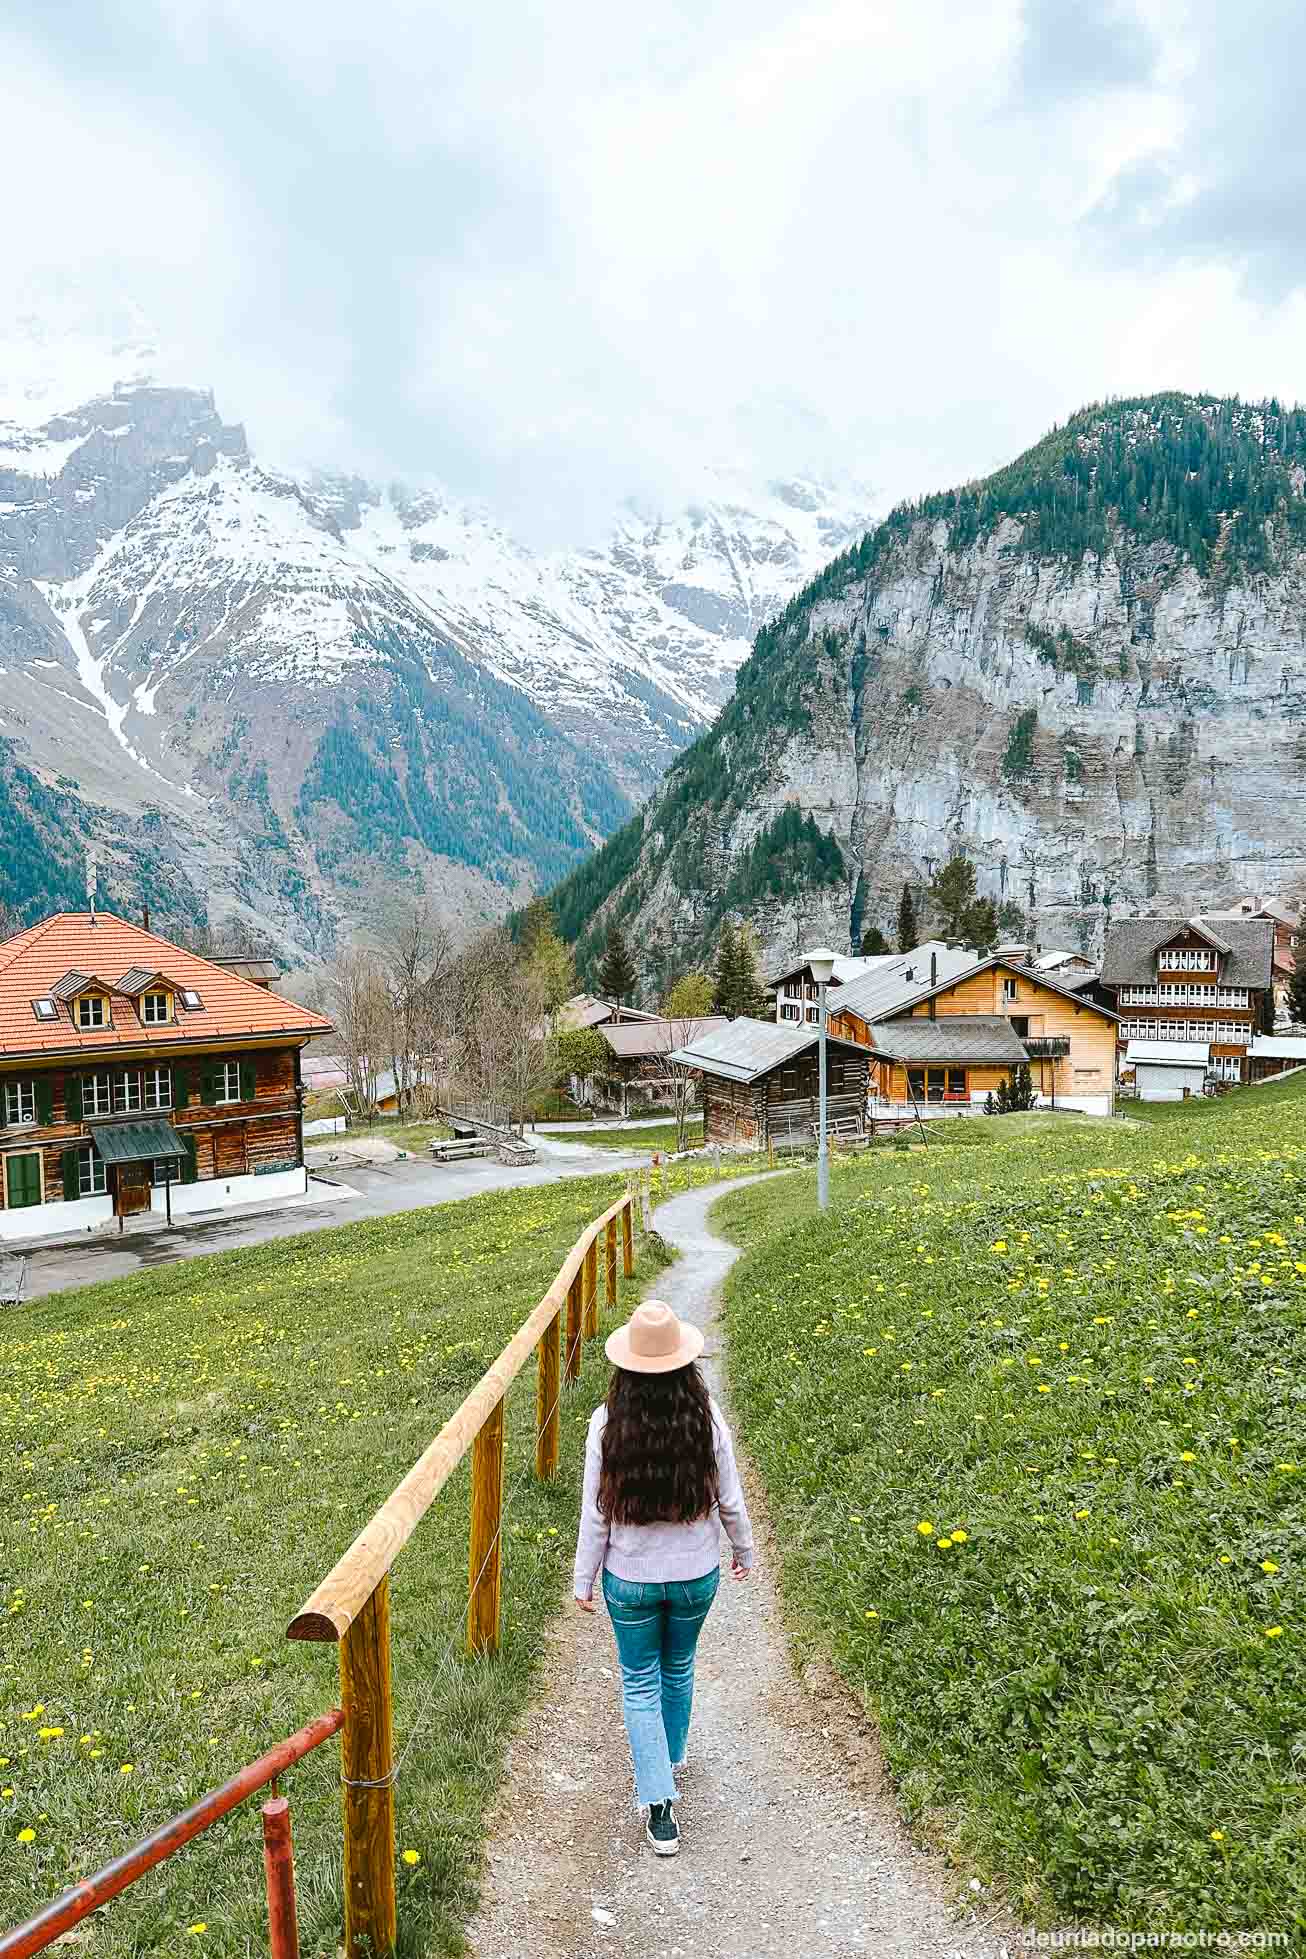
[{"x": 136, "y": 1142}]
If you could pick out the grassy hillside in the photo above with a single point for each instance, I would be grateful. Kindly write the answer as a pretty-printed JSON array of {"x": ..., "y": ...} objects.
[
  {"x": 1029, "y": 1421},
  {"x": 189, "y": 1451}
]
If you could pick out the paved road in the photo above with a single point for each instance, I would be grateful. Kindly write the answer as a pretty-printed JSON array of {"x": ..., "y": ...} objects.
[{"x": 339, "y": 1193}]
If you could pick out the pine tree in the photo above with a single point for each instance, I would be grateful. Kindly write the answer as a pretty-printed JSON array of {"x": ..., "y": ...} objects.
[
  {"x": 752, "y": 993},
  {"x": 874, "y": 942},
  {"x": 617, "y": 975},
  {"x": 726, "y": 972},
  {"x": 979, "y": 925},
  {"x": 953, "y": 891},
  {"x": 908, "y": 928},
  {"x": 1297, "y": 985}
]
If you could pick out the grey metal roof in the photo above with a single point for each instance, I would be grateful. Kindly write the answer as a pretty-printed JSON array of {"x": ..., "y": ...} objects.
[
  {"x": 899, "y": 981},
  {"x": 70, "y": 984},
  {"x": 137, "y": 979},
  {"x": 1132, "y": 945},
  {"x": 1168, "y": 1054},
  {"x": 632, "y": 1040},
  {"x": 955, "y": 1037},
  {"x": 136, "y": 1142},
  {"x": 744, "y": 1049}
]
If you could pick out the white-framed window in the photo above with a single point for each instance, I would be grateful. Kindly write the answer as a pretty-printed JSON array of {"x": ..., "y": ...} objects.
[
  {"x": 90, "y": 1173},
  {"x": 156, "y": 1008},
  {"x": 790, "y": 1012},
  {"x": 813, "y": 1015},
  {"x": 97, "y": 1095},
  {"x": 1010, "y": 991},
  {"x": 20, "y": 1102},
  {"x": 226, "y": 1081},
  {"x": 126, "y": 1090},
  {"x": 157, "y": 1083},
  {"x": 1186, "y": 959},
  {"x": 92, "y": 1011}
]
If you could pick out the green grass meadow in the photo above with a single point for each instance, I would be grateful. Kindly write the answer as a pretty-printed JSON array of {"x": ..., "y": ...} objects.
[
  {"x": 188, "y": 1452},
  {"x": 1031, "y": 1422}
]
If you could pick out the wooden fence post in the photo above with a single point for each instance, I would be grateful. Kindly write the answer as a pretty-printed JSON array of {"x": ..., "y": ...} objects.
[
  {"x": 628, "y": 1238},
  {"x": 548, "y": 1390},
  {"x": 646, "y": 1198},
  {"x": 609, "y": 1264},
  {"x": 367, "y": 1759},
  {"x": 592, "y": 1290},
  {"x": 485, "y": 1552},
  {"x": 575, "y": 1322},
  {"x": 279, "y": 1872}
]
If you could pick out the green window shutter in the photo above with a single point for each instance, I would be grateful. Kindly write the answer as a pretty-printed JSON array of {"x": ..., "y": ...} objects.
[
  {"x": 208, "y": 1087},
  {"x": 72, "y": 1097},
  {"x": 248, "y": 1084},
  {"x": 72, "y": 1175},
  {"x": 189, "y": 1167},
  {"x": 180, "y": 1087},
  {"x": 44, "y": 1099}
]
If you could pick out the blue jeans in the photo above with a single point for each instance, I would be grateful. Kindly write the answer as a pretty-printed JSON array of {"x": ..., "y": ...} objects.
[{"x": 657, "y": 1628}]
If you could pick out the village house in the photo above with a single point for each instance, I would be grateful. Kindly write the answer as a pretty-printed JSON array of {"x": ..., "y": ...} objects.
[
  {"x": 1198, "y": 981},
  {"x": 639, "y": 1052},
  {"x": 1285, "y": 917},
  {"x": 759, "y": 1081},
  {"x": 137, "y": 1077},
  {"x": 797, "y": 996},
  {"x": 1006, "y": 1013},
  {"x": 586, "y": 1010}
]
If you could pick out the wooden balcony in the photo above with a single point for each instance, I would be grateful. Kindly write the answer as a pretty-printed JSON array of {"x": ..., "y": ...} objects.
[{"x": 1048, "y": 1047}]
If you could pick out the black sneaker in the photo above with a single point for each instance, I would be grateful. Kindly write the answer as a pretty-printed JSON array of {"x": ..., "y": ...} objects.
[{"x": 662, "y": 1830}]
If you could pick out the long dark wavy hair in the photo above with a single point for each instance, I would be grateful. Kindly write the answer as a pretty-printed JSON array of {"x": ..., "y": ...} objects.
[{"x": 659, "y": 1449}]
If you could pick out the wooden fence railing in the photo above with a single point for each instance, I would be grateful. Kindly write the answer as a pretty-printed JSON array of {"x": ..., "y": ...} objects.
[{"x": 352, "y": 1606}]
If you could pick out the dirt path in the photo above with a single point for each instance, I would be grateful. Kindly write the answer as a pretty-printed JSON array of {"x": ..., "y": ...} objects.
[{"x": 791, "y": 1844}]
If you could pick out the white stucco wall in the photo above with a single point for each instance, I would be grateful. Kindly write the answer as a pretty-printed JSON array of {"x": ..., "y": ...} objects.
[
  {"x": 1166, "y": 1083},
  {"x": 49, "y": 1220},
  {"x": 217, "y": 1193}
]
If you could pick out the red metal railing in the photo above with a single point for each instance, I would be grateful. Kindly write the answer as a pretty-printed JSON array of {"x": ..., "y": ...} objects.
[{"x": 84, "y": 1898}]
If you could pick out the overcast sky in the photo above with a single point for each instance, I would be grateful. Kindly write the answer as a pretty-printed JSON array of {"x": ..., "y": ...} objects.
[{"x": 558, "y": 253}]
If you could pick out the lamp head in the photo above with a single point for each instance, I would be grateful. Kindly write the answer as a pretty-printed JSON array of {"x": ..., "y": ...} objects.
[{"x": 820, "y": 963}]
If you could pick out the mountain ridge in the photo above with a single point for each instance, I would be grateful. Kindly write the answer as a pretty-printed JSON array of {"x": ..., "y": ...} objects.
[
  {"x": 312, "y": 688},
  {"x": 1085, "y": 671}
]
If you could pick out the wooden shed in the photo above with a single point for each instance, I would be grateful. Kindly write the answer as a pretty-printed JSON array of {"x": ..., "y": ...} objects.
[{"x": 760, "y": 1080}]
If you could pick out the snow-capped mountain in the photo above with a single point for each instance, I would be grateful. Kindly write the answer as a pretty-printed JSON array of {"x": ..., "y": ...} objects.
[{"x": 247, "y": 692}]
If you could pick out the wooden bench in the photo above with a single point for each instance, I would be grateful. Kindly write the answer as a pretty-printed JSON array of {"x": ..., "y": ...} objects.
[{"x": 460, "y": 1147}]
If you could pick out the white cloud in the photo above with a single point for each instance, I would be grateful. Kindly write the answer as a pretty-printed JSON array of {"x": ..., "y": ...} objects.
[{"x": 558, "y": 255}]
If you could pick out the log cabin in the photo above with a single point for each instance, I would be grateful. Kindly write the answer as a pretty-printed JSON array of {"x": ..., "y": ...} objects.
[
  {"x": 137, "y": 1077},
  {"x": 759, "y": 1081}
]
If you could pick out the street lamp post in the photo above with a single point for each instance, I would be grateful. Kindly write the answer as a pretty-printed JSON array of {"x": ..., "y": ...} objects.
[{"x": 820, "y": 964}]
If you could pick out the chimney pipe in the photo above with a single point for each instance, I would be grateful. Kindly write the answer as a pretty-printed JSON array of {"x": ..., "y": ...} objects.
[
  {"x": 934, "y": 980},
  {"x": 145, "y": 917}
]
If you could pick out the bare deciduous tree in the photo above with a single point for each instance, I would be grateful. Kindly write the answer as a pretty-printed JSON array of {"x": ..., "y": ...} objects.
[
  {"x": 416, "y": 956},
  {"x": 357, "y": 1000}
]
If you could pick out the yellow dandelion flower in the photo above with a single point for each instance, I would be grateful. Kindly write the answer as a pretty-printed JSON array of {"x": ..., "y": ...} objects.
[
  {"x": 1186, "y": 1455},
  {"x": 1274, "y": 1632},
  {"x": 27, "y": 1836},
  {"x": 412, "y": 1856},
  {"x": 128, "y": 1768},
  {"x": 1268, "y": 1564},
  {"x": 198, "y": 1927},
  {"x": 1217, "y": 1836},
  {"x": 925, "y": 1528}
]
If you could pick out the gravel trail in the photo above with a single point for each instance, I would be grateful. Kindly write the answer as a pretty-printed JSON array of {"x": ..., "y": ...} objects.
[{"x": 790, "y": 1840}]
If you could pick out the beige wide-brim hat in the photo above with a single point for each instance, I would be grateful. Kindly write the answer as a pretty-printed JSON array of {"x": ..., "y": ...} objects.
[{"x": 653, "y": 1341}]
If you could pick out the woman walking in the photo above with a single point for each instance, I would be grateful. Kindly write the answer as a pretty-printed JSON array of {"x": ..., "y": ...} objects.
[{"x": 660, "y": 1480}]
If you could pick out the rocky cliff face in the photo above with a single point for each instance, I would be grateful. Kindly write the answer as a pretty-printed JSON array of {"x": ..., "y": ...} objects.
[
  {"x": 1109, "y": 724},
  {"x": 250, "y": 695}
]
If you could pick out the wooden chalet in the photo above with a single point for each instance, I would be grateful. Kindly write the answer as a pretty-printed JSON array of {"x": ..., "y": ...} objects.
[
  {"x": 137, "y": 1077},
  {"x": 1193, "y": 980},
  {"x": 638, "y": 1052},
  {"x": 759, "y": 1081},
  {"x": 1006, "y": 1012}
]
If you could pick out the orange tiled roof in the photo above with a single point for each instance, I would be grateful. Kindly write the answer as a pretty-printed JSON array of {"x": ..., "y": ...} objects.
[{"x": 36, "y": 960}]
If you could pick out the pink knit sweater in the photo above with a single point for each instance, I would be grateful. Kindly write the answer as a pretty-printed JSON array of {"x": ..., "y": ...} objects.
[{"x": 659, "y": 1554}]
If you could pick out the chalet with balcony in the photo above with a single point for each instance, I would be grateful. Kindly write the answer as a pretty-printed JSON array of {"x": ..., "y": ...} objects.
[
  {"x": 1204, "y": 981},
  {"x": 797, "y": 996},
  {"x": 137, "y": 1077},
  {"x": 988, "y": 1018}
]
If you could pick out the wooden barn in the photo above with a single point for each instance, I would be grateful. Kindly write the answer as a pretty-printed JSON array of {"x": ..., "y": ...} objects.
[{"x": 760, "y": 1080}]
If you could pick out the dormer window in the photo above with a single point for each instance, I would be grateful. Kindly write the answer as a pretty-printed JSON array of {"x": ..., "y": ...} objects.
[
  {"x": 156, "y": 1008},
  {"x": 45, "y": 1009},
  {"x": 92, "y": 1011}
]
